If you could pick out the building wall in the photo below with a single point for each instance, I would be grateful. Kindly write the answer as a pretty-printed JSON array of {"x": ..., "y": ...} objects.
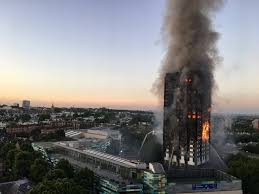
[
  {"x": 169, "y": 134},
  {"x": 216, "y": 187},
  {"x": 110, "y": 187},
  {"x": 95, "y": 134},
  {"x": 45, "y": 129},
  {"x": 186, "y": 137},
  {"x": 21, "y": 129},
  {"x": 154, "y": 182},
  {"x": 26, "y": 104},
  {"x": 125, "y": 173},
  {"x": 255, "y": 124}
]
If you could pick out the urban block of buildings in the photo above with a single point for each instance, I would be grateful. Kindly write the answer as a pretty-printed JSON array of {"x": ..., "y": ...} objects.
[{"x": 119, "y": 175}]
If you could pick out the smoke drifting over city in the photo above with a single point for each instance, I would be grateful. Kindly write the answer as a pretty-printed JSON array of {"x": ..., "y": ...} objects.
[
  {"x": 190, "y": 42},
  {"x": 186, "y": 80}
]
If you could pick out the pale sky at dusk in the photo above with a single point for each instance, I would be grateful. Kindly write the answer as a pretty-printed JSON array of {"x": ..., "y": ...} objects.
[{"x": 108, "y": 52}]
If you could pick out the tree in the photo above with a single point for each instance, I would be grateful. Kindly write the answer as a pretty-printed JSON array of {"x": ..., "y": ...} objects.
[
  {"x": 26, "y": 146},
  {"x": 35, "y": 133},
  {"x": 5, "y": 148},
  {"x": 22, "y": 163},
  {"x": 9, "y": 163},
  {"x": 38, "y": 170},
  {"x": 7, "y": 154},
  {"x": 55, "y": 174},
  {"x": 60, "y": 133},
  {"x": 64, "y": 186},
  {"x": 141, "y": 118},
  {"x": 36, "y": 154},
  {"x": 87, "y": 113},
  {"x": 85, "y": 178},
  {"x": 75, "y": 115},
  {"x": 44, "y": 117},
  {"x": 247, "y": 169},
  {"x": 10, "y": 157},
  {"x": 57, "y": 110},
  {"x": 25, "y": 117},
  {"x": 66, "y": 167}
]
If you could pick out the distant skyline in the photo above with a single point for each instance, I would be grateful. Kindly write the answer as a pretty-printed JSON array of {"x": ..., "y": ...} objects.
[{"x": 96, "y": 53}]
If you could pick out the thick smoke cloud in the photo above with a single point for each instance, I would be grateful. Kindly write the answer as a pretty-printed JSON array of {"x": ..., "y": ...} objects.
[{"x": 190, "y": 42}]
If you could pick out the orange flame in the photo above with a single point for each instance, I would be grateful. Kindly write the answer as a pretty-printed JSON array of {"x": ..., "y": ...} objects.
[{"x": 205, "y": 131}]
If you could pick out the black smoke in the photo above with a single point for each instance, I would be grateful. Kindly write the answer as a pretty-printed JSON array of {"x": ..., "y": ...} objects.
[{"x": 190, "y": 44}]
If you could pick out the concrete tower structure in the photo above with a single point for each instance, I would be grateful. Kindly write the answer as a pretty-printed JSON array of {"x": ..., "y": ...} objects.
[
  {"x": 26, "y": 104},
  {"x": 186, "y": 129}
]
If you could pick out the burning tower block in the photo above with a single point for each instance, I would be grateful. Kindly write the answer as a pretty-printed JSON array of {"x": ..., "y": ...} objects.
[{"x": 186, "y": 129}]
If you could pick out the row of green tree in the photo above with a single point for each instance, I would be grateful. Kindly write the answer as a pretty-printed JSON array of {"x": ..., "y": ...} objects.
[
  {"x": 63, "y": 178},
  {"x": 148, "y": 118},
  {"x": 246, "y": 169},
  {"x": 254, "y": 137},
  {"x": 243, "y": 124},
  {"x": 36, "y": 135},
  {"x": 25, "y": 117},
  {"x": 17, "y": 158},
  {"x": 20, "y": 160}
]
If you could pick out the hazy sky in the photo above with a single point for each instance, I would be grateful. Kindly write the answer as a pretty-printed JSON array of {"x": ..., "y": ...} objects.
[{"x": 108, "y": 53}]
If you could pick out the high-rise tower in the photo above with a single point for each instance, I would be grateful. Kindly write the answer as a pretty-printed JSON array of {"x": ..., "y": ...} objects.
[
  {"x": 26, "y": 105},
  {"x": 186, "y": 129}
]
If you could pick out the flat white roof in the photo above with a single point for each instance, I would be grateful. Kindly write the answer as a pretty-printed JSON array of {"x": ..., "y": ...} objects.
[
  {"x": 103, "y": 156},
  {"x": 72, "y": 133}
]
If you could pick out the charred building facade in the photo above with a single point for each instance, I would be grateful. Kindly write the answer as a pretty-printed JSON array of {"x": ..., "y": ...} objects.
[{"x": 186, "y": 129}]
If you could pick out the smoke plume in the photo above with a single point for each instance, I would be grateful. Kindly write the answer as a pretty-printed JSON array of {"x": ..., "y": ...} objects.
[{"x": 190, "y": 42}]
